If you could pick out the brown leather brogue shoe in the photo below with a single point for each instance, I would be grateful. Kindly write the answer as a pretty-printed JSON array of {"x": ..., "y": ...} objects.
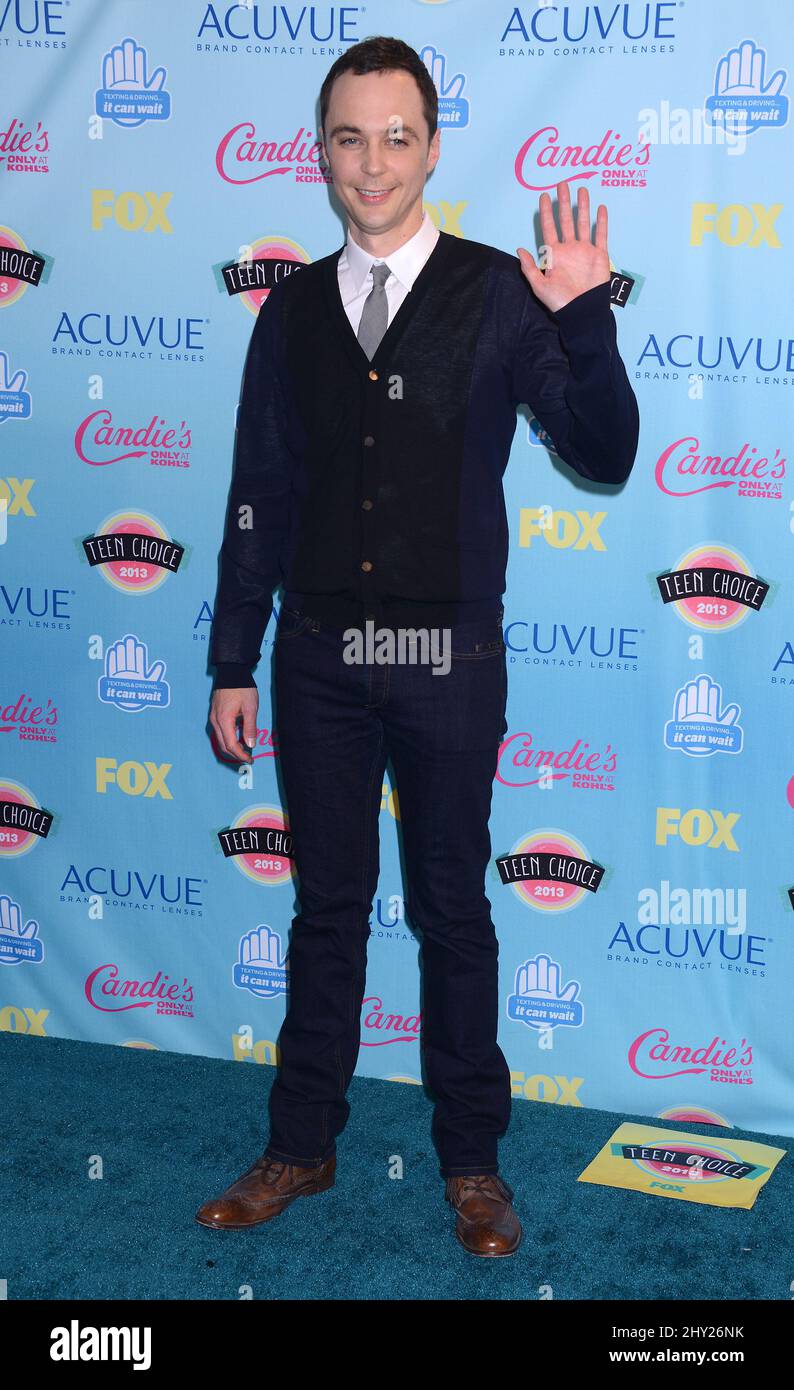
[
  {"x": 263, "y": 1191},
  {"x": 485, "y": 1222}
]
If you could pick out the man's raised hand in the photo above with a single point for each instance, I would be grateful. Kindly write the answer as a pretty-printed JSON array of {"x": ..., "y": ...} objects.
[{"x": 574, "y": 263}]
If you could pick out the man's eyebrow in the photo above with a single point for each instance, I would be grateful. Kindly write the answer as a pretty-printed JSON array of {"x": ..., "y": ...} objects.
[{"x": 356, "y": 130}]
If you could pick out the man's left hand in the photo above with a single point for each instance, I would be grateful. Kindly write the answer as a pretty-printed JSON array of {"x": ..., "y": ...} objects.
[{"x": 575, "y": 263}]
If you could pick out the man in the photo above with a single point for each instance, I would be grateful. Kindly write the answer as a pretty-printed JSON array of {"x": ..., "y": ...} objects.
[{"x": 377, "y": 415}]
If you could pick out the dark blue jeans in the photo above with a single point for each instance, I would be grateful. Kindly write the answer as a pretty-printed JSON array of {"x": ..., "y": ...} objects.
[{"x": 337, "y": 724}]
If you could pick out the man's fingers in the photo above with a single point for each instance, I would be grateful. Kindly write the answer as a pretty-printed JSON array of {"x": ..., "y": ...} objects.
[
  {"x": 245, "y": 745},
  {"x": 547, "y": 224},
  {"x": 244, "y": 754},
  {"x": 227, "y": 709},
  {"x": 218, "y": 732},
  {"x": 532, "y": 273},
  {"x": 582, "y": 214},
  {"x": 601, "y": 228},
  {"x": 234, "y": 747},
  {"x": 566, "y": 216}
]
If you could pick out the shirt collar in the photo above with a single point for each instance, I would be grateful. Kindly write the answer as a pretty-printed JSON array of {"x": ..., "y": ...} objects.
[{"x": 406, "y": 262}]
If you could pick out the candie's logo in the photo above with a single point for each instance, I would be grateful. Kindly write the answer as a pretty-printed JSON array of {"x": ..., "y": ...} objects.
[
  {"x": 654, "y": 1057},
  {"x": 379, "y": 1027},
  {"x": 544, "y": 159},
  {"x": 108, "y": 990},
  {"x": 29, "y": 720},
  {"x": 683, "y": 469},
  {"x": 245, "y": 156},
  {"x": 100, "y": 440},
  {"x": 524, "y": 761},
  {"x": 24, "y": 149}
]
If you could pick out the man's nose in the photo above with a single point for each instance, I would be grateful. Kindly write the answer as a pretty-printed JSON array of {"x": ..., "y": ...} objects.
[{"x": 372, "y": 161}]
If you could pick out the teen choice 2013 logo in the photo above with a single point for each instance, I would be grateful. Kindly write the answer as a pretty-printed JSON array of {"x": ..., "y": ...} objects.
[
  {"x": 550, "y": 870},
  {"x": 133, "y": 552},
  {"x": 259, "y": 843}
]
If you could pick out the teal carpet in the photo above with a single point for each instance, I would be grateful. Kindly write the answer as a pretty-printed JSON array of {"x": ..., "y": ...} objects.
[{"x": 172, "y": 1130}]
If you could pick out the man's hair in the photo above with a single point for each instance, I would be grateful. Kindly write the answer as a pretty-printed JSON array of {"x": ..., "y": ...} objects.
[{"x": 376, "y": 55}]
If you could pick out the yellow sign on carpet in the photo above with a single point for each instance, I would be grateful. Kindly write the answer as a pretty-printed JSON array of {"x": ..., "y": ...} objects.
[{"x": 720, "y": 1171}]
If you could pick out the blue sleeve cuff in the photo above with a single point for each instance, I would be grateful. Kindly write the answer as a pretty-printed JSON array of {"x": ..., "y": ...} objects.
[
  {"x": 588, "y": 310},
  {"x": 232, "y": 675}
]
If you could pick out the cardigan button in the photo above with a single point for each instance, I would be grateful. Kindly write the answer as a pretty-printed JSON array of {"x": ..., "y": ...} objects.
[
  {"x": 367, "y": 504},
  {"x": 369, "y": 439},
  {"x": 366, "y": 565},
  {"x": 373, "y": 376}
]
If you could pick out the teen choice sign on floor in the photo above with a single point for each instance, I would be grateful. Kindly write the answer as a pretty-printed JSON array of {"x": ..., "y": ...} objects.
[{"x": 720, "y": 1172}]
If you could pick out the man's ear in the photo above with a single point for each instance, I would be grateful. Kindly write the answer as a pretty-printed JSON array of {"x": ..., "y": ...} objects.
[{"x": 434, "y": 150}]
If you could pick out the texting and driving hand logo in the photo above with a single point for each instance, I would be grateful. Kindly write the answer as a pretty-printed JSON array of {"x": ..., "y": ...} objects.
[
  {"x": 540, "y": 1000},
  {"x": 130, "y": 681},
  {"x": 743, "y": 96},
  {"x": 702, "y": 724},
  {"x": 261, "y": 967},
  {"x": 128, "y": 96},
  {"x": 19, "y": 940}
]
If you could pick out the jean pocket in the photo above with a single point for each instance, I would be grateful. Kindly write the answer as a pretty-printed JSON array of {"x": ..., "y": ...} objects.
[
  {"x": 476, "y": 640},
  {"x": 290, "y": 624}
]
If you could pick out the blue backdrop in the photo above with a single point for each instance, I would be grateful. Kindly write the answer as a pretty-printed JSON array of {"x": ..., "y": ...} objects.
[{"x": 643, "y": 809}]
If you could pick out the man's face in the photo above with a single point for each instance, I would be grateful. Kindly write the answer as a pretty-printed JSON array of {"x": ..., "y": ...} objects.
[{"x": 376, "y": 137}]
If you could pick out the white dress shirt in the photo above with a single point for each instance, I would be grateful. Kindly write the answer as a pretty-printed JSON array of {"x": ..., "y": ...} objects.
[{"x": 354, "y": 270}]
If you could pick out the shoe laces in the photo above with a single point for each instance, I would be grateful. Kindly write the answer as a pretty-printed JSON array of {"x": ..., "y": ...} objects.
[
  {"x": 271, "y": 1169},
  {"x": 484, "y": 1182}
]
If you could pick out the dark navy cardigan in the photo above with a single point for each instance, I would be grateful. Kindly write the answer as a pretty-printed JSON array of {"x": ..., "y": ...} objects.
[{"x": 374, "y": 489}]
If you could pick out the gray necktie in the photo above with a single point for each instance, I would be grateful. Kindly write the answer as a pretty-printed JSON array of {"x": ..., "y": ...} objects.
[{"x": 375, "y": 317}]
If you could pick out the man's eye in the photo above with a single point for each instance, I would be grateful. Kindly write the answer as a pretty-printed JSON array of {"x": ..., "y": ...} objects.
[{"x": 394, "y": 140}]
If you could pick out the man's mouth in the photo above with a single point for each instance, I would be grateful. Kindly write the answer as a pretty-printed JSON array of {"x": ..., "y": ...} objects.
[{"x": 374, "y": 195}]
